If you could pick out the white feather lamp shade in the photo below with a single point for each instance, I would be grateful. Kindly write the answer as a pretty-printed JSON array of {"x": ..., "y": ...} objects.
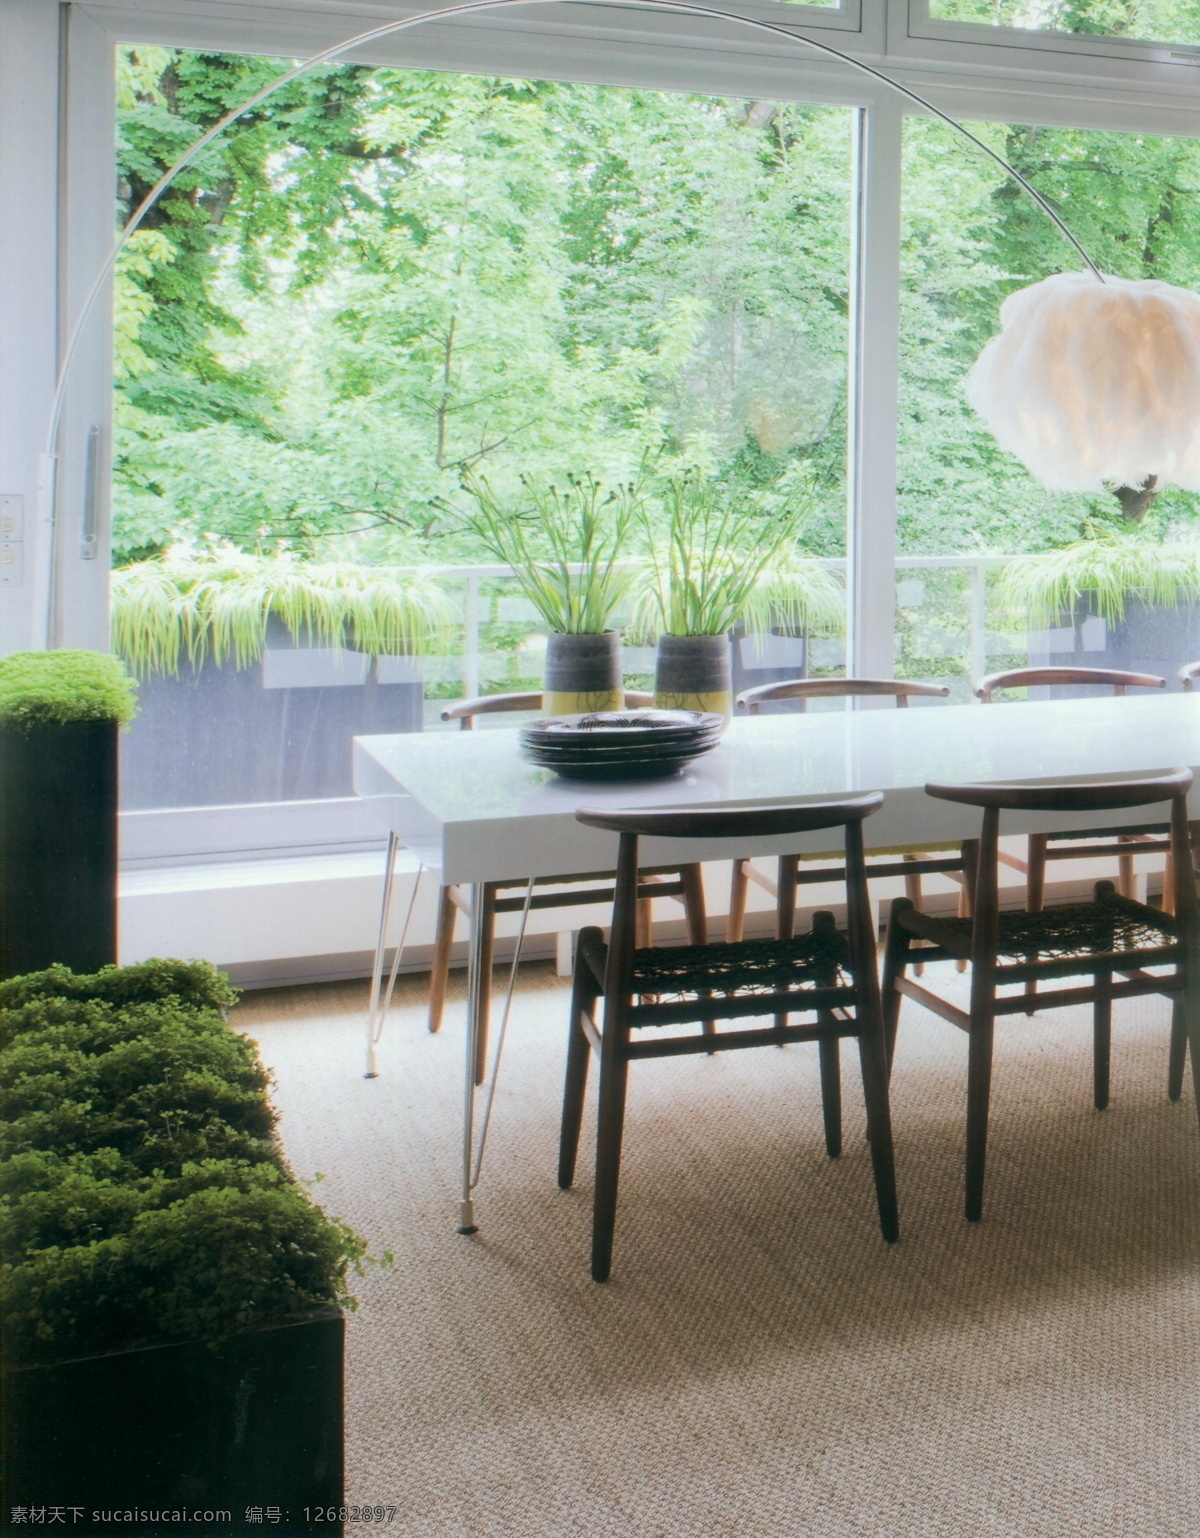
[{"x": 1092, "y": 384}]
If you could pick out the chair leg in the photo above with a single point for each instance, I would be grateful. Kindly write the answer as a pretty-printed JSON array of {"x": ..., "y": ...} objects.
[
  {"x": 1035, "y": 879},
  {"x": 739, "y": 887},
  {"x": 873, "y": 1060},
  {"x": 1035, "y": 892},
  {"x": 693, "y": 904},
  {"x": 966, "y": 892},
  {"x": 1168, "y": 891},
  {"x": 697, "y": 918},
  {"x": 831, "y": 1087},
  {"x": 896, "y": 945},
  {"x": 1126, "y": 878},
  {"x": 439, "y": 971},
  {"x": 614, "y": 1073},
  {"x": 644, "y": 924},
  {"x": 487, "y": 948},
  {"x": 1179, "y": 1047},
  {"x": 1102, "y": 1037},
  {"x": 912, "y": 890},
  {"x": 584, "y": 994},
  {"x": 785, "y": 908},
  {"x": 979, "y": 1087}
]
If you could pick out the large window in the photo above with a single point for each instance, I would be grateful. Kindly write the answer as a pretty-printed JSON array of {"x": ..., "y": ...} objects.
[
  {"x": 964, "y": 605},
  {"x": 393, "y": 281}
]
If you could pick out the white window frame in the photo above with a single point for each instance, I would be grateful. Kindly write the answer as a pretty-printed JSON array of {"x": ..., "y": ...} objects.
[
  {"x": 1076, "y": 53},
  {"x": 1045, "y": 78}
]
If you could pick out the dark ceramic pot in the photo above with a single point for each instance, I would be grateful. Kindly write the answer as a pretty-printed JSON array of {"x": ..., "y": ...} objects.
[
  {"x": 583, "y": 673},
  {"x": 693, "y": 673}
]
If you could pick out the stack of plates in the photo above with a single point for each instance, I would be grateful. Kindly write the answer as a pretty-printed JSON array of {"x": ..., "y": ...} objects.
[{"x": 621, "y": 745}]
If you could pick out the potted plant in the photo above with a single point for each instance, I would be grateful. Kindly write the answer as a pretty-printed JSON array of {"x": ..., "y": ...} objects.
[
  {"x": 258, "y": 669},
  {"x": 563, "y": 546},
  {"x": 1144, "y": 591},
  {"x": 172, "y": 1297},
  {"x": 60, "y": 712},
  {"x": 718, "y": 556}
]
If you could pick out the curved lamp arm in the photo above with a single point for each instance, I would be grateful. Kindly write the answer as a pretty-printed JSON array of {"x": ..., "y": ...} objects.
[{"x": 46, "y": 478}]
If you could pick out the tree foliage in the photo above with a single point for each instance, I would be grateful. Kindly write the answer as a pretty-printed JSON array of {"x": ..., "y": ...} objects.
[
  {"x": 388, "y": 279},
  {"x": 384, "y": 281}
]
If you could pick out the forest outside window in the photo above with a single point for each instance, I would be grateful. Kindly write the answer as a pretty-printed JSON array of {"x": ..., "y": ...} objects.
[{"x": 391, "y": 280}]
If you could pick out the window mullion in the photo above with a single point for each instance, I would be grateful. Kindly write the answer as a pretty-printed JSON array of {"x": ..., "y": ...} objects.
[{"x": 874, "y": 388}]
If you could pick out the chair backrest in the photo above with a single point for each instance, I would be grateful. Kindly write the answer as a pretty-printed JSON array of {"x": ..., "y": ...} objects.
[
  {"x": 805, "y": 689},
  {"x": 465, "y": 711},
  {"x": 1100, "y": 678},
  {"x": 731, "y": 822},
  {"x": 1098, "y": 796},
  {"x": 1188, "y": 674}
]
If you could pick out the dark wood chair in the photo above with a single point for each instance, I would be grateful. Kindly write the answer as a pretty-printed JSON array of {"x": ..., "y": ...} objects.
[
  {"x": 824, "y": 975},
  {"x": 1043, "y": 847},
  {"x": 794, "y": 870},
  {"x": 684, "y": 884},
  {"x": 1112, "y": 940}
]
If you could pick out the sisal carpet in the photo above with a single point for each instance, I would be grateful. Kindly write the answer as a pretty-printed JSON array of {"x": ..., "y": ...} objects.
[{"x": 761, "y": 1363}]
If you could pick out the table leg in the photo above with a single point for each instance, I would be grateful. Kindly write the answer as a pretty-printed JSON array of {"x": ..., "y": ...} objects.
[
  {"x": 377, "y": 970},
  {"x": 466, "y": 1206}
]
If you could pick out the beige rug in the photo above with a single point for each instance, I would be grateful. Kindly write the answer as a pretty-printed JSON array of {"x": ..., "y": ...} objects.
[{"x": 761, "y": 1363}]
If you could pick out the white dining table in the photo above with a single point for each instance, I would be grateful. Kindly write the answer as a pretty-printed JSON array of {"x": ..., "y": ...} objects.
[{"x": 471, "y": 809}]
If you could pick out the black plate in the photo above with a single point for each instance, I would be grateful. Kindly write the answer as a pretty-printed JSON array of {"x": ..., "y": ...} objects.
[
  {"x": 599, "y": 762},
  {"x": 614, "y": 728},
  {"x": 628, "y": 769}
]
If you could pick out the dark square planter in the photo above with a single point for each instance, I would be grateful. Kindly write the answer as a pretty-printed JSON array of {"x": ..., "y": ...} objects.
[{"x": 245, "y": 1437}]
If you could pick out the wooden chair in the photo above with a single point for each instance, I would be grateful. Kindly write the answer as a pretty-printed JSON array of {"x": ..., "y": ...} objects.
[
  {"x": 827, "y": 976},
  {"x": 1042, "y": 847},
  {"x": 793, "y": 871},
  {"x": 1112, "y": 936},
  {"x": 1187, "y": 676},
  {"x": 684, "y": 883}
]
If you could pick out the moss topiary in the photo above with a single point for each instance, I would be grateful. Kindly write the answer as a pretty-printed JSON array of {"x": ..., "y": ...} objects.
[
  {"x": 144, "y": 1196},
  {"x": 58, "y": 687}
]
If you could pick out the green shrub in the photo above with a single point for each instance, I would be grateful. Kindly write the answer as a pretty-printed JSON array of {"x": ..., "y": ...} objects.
[
  {"x": 58, "y": 687},
  {"x": 192, "y": 982},
  {"x": 144, "y": 1196}
]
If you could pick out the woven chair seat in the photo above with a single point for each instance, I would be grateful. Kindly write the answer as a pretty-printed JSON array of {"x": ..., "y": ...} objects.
[
  {"x": 1081, "y": 931},
  {"x": 747, "y": 966}
]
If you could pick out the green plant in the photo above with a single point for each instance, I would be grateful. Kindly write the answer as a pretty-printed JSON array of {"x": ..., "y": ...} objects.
[
  {"x": 145, "y": 1197},
  {"x": 562, "y": 545},
  {"x": 217, "y": 604},
  {"x": 728, "y": 555},
  {"x": 1109, "y": 568},
  {"x": 56, "y": 687}
]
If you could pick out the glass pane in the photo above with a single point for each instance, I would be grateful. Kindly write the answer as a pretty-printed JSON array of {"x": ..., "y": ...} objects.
[
  {"x": 392, "y": 280},
  {"x": 979, "y": 538},
  {"x": 1164, "y": 21}
]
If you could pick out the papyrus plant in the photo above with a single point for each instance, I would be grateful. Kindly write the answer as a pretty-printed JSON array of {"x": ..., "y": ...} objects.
[
  {"x": 715, "y": 556},
  {"x": 564, "y": 544}
]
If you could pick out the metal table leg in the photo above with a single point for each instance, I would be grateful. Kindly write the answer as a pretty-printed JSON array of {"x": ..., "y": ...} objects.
[
  {"x": 466, "y": 1206},
  {"x": 472, "y": 1159},
  {"x": 377, "y": 1009},
  {"x": 389, "y": 872}
]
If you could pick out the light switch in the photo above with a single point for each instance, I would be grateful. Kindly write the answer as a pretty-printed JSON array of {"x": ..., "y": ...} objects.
[{"x": 12, "y": 516}]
